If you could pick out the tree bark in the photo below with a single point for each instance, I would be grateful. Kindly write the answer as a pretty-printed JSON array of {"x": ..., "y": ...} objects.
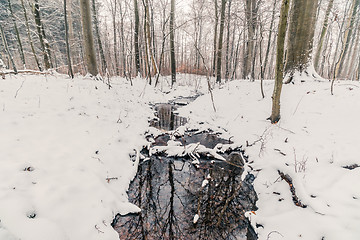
[
  {"x": 228, "y": 42},
  {"x": 68, "y": 53},
  {"x": 323, "y": 34},
  {"x": 269, "y": 40},
  {"x": 215, "y": 37},
  {"x": 98, "y": 38},
  {"x": 88, "y": 39},
  {"x": 136, "y": 37},
  {"x": 301, "y": 35},
  {"x": 172, "y": 43},
  {"x": 29, "y": 35},
  {"x": 279, "y": 75},
  {"x": 220, "y": 44},
  {"x": 21, "y": 50},
  {"x": 5, "y": 44},
  {"x": 43, "y": 42},
  {"x": 352, "y": 18},
  {"x": 250, "y": 15}
]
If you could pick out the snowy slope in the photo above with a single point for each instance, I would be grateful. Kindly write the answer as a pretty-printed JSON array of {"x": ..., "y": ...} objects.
[
  {"x": 317, "y": 135},
  {"x": 64, "y": 154}
]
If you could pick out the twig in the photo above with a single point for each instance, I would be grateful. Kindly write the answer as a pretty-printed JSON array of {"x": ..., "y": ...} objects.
[
  {"x": 112, "y": 178},
  {"x": 17, "y": 91},
  {"x": 207, "y": 77},
  {"x": 298, "y": 104},
  {"x": 268, "y": 236},
  {"x": 97, "y": 228}
]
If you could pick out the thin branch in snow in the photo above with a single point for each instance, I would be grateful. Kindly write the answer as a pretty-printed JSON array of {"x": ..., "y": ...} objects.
[
  {"x": 17, "y": 91},
  {"x": 268, "y": 236}
]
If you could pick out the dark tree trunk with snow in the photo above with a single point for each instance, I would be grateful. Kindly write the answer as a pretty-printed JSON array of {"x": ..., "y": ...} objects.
[
  {"x": 68, "y": 53},
  {"x": 45, "y": 48},
  {"x": 220, "y": 43},
  {"x": 136, "y": 37},
  {"x": 172, "y": 43},
  {"x": 88, "y": 40}
]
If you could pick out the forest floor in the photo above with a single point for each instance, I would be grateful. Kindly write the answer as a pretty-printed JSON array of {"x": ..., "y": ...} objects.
[{"x": 65, "y": 146}]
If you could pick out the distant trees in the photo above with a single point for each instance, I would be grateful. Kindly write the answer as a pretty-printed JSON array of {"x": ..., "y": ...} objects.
[{"x": 156, "y": 38}]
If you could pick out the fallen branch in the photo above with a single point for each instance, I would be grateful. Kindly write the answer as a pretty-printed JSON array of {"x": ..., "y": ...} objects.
[
  {"x": 295, "y": 198},
  {"x": 3, "y": 73}
]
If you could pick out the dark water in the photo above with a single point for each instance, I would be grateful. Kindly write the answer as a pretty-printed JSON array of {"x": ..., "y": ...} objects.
[
  {"x": 171, "y": 191},
  {"x": 166, "y": 118}
]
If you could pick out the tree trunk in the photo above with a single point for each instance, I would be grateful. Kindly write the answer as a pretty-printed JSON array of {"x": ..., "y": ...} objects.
[
  {"x": 122, "y": 38},
  {"x": 172, "y": 43},
  {"x": 250, "y": 15},
  {"x": 68, "y": 53},
  {"x": 42, "y": 37},
  {"x": 97, "y": 35},
  {"x": 116, "y": 60},
  {"x": 300, "y": 40},
  {"x": 88, "y": 40},
  {"x": 228, "y": 42},
  {"x": 29, "y": 35},
  {"x": 323, "y": 34},
  {"x": 21, "y": 50},
  {"x": 345, "y": 40},
  {"x": 136, "y": 37},
  {"x": 349, "y": 30},
  {"x": 5, "y": 44},
  {"x": 215, "y": 37},
  {"x": 220, "y": 44},
  {"x": 279, "y": 75},
  {"x": 269, "y": 40},
  {"x": 147, "y": 32}
]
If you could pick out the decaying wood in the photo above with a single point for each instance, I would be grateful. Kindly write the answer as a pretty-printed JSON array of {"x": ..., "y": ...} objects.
[{"x": 295, "y": 198}]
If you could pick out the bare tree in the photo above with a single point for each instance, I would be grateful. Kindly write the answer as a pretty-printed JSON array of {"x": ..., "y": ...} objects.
[
  {"x": 300, "y": 39},
  {"x": 275, "y": 114},
  {"x": 172, "y": 43},
  {"x": 323, "y": 33},
  {"x": 21, "y": 50},
  {"x": 88, "y": 40},
  {"x": 220, "y": 44},
  {"x": 98, "y": 38},
  {"x": 68, "y": 53},
  {"x": 136, "y": 37}
]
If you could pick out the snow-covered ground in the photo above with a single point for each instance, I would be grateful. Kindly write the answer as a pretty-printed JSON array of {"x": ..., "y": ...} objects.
[
  {"x": 65, "y": 145},
  {"x": 64, "y": 154},
  {"x": 317, "y": 136}
]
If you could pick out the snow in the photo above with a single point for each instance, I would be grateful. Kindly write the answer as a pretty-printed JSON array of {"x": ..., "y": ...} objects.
[
  {"x": 75, "y": 137},
  {"x": 317, "y": 135},
  {"x": 65, "y": 151}
]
